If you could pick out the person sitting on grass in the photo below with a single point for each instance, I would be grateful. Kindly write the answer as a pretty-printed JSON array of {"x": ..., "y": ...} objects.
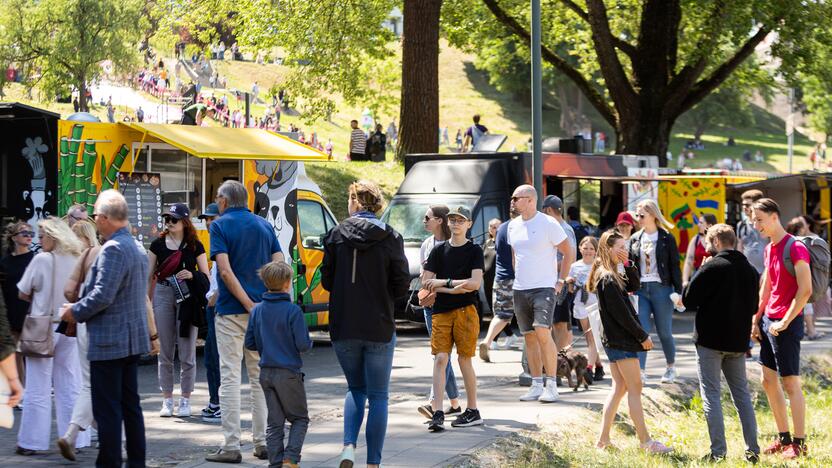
[
  {"x": 623, "y": 337},
  {"x": 277, "y": 330},
  {"x": 454, "y": 273}
]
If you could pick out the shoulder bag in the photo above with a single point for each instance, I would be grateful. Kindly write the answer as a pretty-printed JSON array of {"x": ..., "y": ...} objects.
[{"x": 36, "y": 339}]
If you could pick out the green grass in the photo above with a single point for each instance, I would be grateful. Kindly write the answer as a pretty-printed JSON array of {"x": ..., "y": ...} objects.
[
  {"x": 676, "y": 419},
  {"x": 334, "y": 178}
]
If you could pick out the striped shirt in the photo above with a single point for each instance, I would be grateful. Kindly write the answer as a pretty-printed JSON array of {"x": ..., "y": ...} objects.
[{"x": 358, "y": 141}]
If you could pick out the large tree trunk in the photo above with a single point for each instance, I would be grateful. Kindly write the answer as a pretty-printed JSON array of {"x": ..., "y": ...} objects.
[
  {"x": 647, "y": 135},
  {"x": 419, "y": 120}
]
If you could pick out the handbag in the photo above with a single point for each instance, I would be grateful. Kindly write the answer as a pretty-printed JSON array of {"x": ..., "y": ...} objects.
[{"x": 36, "y": 339}]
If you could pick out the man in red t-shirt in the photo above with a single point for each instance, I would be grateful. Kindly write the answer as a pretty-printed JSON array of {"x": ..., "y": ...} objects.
[{"x": 778, "y": 326}]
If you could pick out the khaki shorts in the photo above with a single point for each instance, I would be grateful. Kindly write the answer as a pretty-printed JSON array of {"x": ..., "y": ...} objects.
[{"x": 460, "y": 327}]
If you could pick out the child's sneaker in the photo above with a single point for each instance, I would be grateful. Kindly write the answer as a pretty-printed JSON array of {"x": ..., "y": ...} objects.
[{"x": 470, "y": 417}]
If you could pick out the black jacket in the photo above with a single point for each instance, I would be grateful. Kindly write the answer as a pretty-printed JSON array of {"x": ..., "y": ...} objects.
[
  {"x": 365, "y": 271},
  {"x": 725, "y": 292},
  {"x": 622, "y": 330},
  {"x": 667, "y": 255},
  {"x": 192, "y": 309}
]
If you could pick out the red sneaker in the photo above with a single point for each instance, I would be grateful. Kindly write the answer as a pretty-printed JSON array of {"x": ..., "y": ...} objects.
[
  {"x": 775, "y": 447},
  {"x": 793, "y": 451}
]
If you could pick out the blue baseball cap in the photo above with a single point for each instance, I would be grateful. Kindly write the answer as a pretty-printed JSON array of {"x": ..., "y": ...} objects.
[
  {"x": 211, "y": 211},
  {"x": 179, "y": 211}
]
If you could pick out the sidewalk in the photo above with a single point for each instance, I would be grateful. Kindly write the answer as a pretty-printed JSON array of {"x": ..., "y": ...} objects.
[{"x": 409, "y": 444}]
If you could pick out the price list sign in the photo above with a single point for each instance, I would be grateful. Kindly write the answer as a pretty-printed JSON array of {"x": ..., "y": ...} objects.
[{"x": 143, "y": 192}]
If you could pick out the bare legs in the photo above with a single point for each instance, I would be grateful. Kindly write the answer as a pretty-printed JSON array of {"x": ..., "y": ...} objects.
[
  {"x": 777, "y": 401},
  {"x": 626, "y": 379},
  {"x": 541, "y": 352}
]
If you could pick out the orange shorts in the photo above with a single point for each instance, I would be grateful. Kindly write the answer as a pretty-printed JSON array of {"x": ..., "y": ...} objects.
[{"x": 460, "y": 327}]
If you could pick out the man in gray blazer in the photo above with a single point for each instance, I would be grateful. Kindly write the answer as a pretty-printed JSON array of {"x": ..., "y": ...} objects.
[{"x": 114, "y": 311}]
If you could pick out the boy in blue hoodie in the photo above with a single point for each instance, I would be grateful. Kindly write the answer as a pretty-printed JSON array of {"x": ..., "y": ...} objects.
[{"x": 277, "y": 330}]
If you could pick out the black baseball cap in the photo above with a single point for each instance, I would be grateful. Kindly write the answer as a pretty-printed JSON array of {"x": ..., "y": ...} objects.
[{"x": 179, "y": 211}]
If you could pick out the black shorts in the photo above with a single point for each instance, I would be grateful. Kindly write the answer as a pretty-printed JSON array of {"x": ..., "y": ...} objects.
[
  {"x": 781, "y": 352},
  {"x": 563, "y": 310}
]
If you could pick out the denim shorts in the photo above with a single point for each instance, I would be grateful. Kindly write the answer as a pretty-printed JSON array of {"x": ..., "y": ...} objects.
[
  {"x": 534, "y": 308},
  {"x": 617, "y": 355}
]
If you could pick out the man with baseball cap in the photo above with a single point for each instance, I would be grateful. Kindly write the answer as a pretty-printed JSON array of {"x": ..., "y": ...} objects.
[
  {"x": 212, "y": 413},
  {"x": 535, "y": 239},
  {"x": 553, "y": 206},
  {"x": 453, "y": 272}
]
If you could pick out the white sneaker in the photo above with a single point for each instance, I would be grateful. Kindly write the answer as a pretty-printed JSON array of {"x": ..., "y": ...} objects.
[
  {"x": 184, "y": 410},
  {"x": 669, "y": 375},
  {"x": 167, "y": 408},
  {"x": 550, "y": 393},
  {"x": 533, "y": 394}
]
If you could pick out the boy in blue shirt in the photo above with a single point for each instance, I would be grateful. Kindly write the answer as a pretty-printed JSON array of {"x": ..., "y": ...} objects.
[{"x": 277, "y": 330}]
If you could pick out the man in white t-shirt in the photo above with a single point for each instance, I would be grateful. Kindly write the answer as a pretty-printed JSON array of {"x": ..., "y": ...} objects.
[{"x": 535, "y": 240}]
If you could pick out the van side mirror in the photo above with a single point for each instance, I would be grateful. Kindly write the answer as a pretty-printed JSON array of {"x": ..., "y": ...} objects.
[{"x": 312, "y": 242}]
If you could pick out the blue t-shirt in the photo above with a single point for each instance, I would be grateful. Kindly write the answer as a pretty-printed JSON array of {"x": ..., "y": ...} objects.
[
  {"x": 505, "y": 270},
  {"x": 249, "y": 241}
]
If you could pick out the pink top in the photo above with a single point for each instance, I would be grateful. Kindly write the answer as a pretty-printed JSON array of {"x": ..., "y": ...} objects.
[{"x": 783, "y": 284}]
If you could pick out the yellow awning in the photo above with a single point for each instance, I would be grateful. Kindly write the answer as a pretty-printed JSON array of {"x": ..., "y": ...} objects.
[{"x": 230, "y": 143}]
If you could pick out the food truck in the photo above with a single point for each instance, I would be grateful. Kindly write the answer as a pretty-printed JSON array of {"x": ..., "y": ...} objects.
[{"x": 157, "y": 165}]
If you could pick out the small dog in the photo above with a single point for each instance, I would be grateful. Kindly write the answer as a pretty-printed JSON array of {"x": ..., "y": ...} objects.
[{"x": 571, "y": 360}]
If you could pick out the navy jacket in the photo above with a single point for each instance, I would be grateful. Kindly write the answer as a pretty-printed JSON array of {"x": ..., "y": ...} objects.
[
  {"x": 277, "y": 330},
  {"x": 667, "y": 255}
]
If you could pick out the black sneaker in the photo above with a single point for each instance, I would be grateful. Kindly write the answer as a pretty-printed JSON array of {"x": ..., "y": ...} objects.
[
  {"x": 470, "y": 417},
  {"x": 599, "y": 374},
  {"x": 437, "y": 422},
  {"x": 426, "y": 411},
  {"x": 452, "y": 410},
  {"x": 752, "y": 457}
]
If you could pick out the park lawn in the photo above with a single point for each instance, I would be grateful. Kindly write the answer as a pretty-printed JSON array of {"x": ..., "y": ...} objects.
[
  {"x": 334, "y": 178},
  {"x": 675, "y": 418}
]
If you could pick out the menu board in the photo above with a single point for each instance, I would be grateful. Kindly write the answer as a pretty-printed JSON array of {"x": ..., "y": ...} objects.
[{"x": 143, "y": 192}]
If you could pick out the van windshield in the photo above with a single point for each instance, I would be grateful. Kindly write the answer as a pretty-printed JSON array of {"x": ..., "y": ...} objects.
[{"x": 407, "y": 215}]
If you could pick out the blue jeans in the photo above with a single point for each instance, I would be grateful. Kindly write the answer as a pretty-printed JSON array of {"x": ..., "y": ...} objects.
[
  {"x": 212, "y": 359},
  {"x": 654, "y": 304},
  {"x": 450, "y": 378},
  {"x": 367, "y": 366}
]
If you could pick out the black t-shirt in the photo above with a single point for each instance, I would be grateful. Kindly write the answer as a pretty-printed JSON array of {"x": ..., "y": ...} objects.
[
  {"x": 11, "y": 270},
  {"x": 454, "y": 263},
  {"x": 189, "y": 255}
]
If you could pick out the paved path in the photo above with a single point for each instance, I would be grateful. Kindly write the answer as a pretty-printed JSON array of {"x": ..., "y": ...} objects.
[{"x": 179, "y": 442}]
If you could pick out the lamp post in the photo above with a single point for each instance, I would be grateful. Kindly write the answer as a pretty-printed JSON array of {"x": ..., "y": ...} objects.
[{"x": 537, "y": 102}]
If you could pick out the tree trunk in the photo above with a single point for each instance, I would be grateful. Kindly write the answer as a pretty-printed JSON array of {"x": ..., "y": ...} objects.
[
  {"x": 419, "y": 120},
  {"x": 644, "y": 136},
  {"x": 83, "y": 106}
]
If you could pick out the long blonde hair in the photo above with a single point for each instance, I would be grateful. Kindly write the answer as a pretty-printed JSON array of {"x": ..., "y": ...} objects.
[
  {"x": 605, "y": 265},
  {"x": 85, "y": 230},
  {"x": 652, "y": 208},
  {"x": 66, "y": 242}
]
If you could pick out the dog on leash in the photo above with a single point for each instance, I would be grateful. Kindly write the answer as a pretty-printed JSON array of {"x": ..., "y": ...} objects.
[{"x": 570, "y": 360}]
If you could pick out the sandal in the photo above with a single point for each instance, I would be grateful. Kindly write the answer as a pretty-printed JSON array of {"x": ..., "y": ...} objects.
[{"x": 654, "y": 446}]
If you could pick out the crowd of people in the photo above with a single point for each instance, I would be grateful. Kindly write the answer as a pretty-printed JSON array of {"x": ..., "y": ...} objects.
[{"x": 109, "y": 301}]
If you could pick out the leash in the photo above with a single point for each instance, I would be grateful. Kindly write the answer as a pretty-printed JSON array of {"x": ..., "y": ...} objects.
[{"x": 583, "y": 335}]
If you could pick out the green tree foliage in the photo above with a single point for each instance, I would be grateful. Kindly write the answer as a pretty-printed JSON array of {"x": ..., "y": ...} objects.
[
  {"x": 65, "y": 42},
  {"x": 644, "y": 63}
]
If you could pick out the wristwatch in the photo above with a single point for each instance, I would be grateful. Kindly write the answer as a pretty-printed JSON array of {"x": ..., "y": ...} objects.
[{"x": 448, "y": 283}]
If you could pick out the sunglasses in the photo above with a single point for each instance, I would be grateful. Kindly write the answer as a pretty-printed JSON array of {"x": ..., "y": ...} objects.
[
  {"x": 25, "y": 233},
  {"x": 641, "y": 216},
  {"x": 170, "y": 220},
  {"x": 428, "y": 218}
]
